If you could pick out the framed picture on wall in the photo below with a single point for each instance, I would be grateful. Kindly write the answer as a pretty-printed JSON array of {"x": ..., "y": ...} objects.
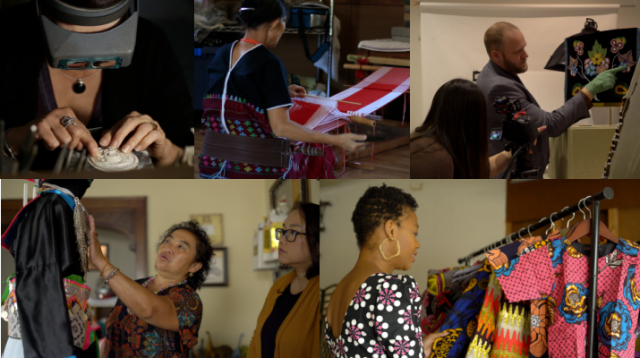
[
  {"x": 105, "y": 252},
  {"x": 291, "y": 190},
  {"x": 218, "y": 273},
  {"x": 212, "y": 224}
]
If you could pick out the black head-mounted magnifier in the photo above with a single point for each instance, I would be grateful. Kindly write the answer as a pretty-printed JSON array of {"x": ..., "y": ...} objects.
[{"x": 70, "y": 50}]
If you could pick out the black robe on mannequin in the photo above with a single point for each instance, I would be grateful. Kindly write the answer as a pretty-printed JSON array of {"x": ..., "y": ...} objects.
[{"x": 45, "y": 251}]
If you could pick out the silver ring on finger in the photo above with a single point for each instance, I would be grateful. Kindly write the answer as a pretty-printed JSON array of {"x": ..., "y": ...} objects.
[
  {"x": 155, "y": 126},
  {"x": 67, "y": 121}
]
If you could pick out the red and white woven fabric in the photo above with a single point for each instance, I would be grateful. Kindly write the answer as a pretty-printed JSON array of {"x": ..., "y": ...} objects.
[
  {"x": 323, "y": 115},
  {"x": 372, "y": 93},
  {"x": 375, "y": 91}
]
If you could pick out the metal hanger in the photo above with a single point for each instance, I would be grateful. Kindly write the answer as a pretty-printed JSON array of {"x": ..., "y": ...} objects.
[
  {"x": 584, "y": 217},
  {"x": 583, "y": 228},
  {"x": 586, "y": 207},
  {"x": 574, "y": 215},
  {"x": 553, "y": 225}
]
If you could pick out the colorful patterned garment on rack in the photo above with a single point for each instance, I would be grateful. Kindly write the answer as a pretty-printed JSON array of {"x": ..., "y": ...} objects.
[
  {"x": 552, "y": 269},
  {"x": 502, "y": 332},
  {"x": 462, "y": 321},
  {"x": 372, "y": 93},
  {"x": 435, "y": 299}
]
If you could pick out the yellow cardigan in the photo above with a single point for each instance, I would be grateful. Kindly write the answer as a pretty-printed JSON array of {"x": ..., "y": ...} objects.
[{"x": 299, "y": 334}]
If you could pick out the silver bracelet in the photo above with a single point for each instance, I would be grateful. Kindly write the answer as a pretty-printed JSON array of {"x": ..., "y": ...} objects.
[
  {"x": 113, "y": 273},
  {"x": 7, "y": 149}
]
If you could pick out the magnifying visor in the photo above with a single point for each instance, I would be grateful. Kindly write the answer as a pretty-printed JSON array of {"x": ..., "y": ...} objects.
[{"x": 68, "y": 50}]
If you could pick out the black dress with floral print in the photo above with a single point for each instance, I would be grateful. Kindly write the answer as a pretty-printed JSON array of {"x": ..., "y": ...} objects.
[{"x": 383, "y": 319}]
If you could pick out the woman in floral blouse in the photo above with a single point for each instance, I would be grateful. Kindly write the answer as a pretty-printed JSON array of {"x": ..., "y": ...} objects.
[
  {"x": 158, "y": 316},
  {"x": 374, "y": 312}
]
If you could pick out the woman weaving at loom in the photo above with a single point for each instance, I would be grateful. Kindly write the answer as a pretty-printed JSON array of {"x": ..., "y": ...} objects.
[{"x": 246, "y": 106}]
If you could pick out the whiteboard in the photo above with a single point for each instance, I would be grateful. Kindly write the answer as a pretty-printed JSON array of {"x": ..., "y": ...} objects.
[{"x": 452, "y": 43}]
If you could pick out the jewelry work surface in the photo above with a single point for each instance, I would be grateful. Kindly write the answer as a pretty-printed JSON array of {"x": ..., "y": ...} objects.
[
  {"x": 171, "y": 172},
  {"x": 114, "y": 160}
]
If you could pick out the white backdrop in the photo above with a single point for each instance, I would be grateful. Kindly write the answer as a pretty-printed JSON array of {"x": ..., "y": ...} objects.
[{"x": 452, "y": 43}]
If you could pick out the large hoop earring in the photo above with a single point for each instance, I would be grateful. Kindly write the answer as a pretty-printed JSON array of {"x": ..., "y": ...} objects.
[{"x": 382, "y": 252}]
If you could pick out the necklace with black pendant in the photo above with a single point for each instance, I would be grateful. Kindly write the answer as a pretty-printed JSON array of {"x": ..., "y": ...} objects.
[{"x": 78, "y": 86}]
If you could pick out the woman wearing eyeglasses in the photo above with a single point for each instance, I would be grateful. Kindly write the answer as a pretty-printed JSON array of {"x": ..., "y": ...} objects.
[{"x": 288, "y": 325}]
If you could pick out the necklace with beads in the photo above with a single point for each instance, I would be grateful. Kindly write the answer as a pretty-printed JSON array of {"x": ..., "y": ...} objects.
[{"x": 150, "y": 281}]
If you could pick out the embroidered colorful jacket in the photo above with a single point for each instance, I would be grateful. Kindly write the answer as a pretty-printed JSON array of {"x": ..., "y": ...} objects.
[
  {"x": 48, "y": 293},
  {"x": 554, "y": 274}
]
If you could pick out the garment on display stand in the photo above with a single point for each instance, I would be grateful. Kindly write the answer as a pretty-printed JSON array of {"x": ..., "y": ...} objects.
[
  {"x": 13, "y": 349},
  {"x": 46, "y": 302}
]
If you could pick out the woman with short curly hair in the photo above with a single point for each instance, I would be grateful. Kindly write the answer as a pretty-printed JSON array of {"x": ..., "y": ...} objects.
[
  {"x": 158, "y": 316},
  {"x": 373, "y": 312}
]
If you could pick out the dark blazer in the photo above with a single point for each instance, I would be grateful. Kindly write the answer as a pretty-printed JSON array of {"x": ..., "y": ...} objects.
[
  {"x": 153, "y": 84},
  {"x": 496, "y": 82}
]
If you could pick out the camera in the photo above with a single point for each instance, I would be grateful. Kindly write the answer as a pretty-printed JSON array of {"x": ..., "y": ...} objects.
[{"x": 519, "y": 130}]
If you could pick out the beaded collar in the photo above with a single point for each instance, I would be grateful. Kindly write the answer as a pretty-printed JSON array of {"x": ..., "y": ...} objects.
[{"x": 150, "y": 281}]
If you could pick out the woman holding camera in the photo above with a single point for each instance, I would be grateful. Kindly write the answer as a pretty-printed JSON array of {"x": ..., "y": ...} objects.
[{"x": 451, "y": 143}]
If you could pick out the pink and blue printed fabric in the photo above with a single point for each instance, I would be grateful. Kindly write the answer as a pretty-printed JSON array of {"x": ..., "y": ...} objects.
[
  {"x": 588, "y": 55},
  {"x": 556, "y": 270}
]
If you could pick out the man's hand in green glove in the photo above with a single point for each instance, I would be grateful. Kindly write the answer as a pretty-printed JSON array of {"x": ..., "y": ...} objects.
[{"x": 604, "y": 81}]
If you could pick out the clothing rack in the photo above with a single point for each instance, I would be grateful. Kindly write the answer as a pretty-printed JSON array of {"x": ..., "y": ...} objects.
[{"x": 607, "y": 193}]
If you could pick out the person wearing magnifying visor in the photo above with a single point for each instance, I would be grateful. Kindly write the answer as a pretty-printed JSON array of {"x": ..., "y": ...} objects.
[{"x": 90, "y": 74}]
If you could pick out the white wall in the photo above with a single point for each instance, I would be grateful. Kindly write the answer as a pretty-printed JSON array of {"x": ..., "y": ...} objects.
[
  {"x": 550, "y": 97},
  {"x": 417, "y": 114},
  {"x": 456, "y": 217},
  {"x": 228, "y": 311}
]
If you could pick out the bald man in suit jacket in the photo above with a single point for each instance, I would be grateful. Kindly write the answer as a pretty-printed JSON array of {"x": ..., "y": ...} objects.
[{"x": 505, "y": 45}]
